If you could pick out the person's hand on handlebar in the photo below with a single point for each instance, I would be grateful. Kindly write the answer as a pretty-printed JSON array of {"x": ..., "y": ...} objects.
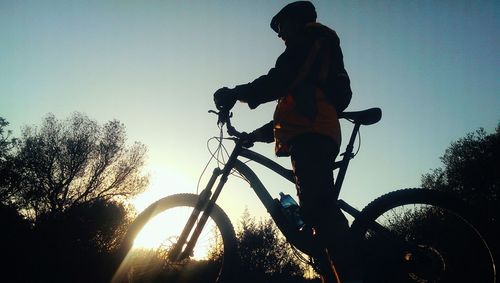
[
  {"x": 262, "y": 134},
  {"x": 224, "y": 98}
]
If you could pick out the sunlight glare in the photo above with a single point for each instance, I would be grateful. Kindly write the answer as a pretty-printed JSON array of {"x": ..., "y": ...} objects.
[
  {"x": 163, "y": 229},
  {"x": 164, "y": 225},
  {"x": 163, "y": 182}
]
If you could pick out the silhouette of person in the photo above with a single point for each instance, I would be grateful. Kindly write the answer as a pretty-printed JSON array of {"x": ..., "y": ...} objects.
[{"x": 305, "y": 81}]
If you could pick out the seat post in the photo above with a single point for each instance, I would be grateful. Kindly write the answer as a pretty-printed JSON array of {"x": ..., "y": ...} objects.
[{"x": 345, "y": 161}]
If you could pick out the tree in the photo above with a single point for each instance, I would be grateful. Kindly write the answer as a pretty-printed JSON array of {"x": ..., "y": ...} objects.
[
  {"x": 62, "y": 187},
  {"x": 471, "y": 171},
  {"x": 5, "y": 140},
  {"x": 67, "y": 245},
  {"x": 67, "y": 163},
  {"x": 6, "y": 161}
]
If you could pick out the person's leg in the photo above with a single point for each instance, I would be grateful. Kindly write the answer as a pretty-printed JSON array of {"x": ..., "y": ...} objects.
[{"x": 312, "y": 158}]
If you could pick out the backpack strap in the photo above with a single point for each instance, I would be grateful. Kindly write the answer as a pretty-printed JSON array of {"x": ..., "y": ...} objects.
[
  {"x": 324, "y": 67},
  {"x": 306, "y": 67},
  {"x": 341, "y": 84}
]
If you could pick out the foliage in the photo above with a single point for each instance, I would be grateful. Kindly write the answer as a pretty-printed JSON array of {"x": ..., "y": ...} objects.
[
  {"x": 471, "y": 170},
  {"x": 6, "y": 161},
  {"x": 15, "y": 238},
  {"x": 146, "y": 265},
  {"x": 84, "y": 237},
  {"x": 62, "y": 188},
  {"x": 5, "y": 141},
  {"x": 265, "y": 255},
  {"x": 90, "y": 226},
  {"x": 66, "y": 163}
]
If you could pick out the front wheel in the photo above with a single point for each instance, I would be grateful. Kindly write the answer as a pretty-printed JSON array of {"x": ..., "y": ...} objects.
[
  {"x": 420, "y": 235},
  {"x": 154, "y": 233}
]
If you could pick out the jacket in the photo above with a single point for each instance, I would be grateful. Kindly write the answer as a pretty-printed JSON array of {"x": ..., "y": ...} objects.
[{"x": 303, "y": 94}]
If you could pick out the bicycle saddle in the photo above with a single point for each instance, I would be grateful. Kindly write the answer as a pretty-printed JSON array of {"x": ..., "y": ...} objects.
[{"x": 365, "y": 117}]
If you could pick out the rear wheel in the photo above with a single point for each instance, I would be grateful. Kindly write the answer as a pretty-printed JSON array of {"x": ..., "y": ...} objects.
[
  {"x": 419, "y": 235},
  {"x": 153, "y": 234}
]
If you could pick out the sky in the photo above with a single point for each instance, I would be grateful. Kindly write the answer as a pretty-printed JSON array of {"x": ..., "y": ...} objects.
[{"x": 431, "y": 66}]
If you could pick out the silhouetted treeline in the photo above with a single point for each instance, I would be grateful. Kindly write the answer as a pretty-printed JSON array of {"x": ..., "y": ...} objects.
[
  {"x": 470, "y": 170},
  {"x": 62, "y": 187}
]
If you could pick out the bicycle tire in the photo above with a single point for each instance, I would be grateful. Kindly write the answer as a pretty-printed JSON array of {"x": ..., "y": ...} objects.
[
  {"x": 217, "y": 270},
  {"x": 418, "y": 247}
]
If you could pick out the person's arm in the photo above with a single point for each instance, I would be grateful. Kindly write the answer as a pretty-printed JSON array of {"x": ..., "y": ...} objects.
[
  {"x": 276, "y": 83},
  {"x": 269, "y": 87},
  {"x": 264, "y": 133}
]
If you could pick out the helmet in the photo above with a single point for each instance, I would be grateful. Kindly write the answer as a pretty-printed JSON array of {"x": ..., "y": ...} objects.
[{"x": 299, "y": 12}]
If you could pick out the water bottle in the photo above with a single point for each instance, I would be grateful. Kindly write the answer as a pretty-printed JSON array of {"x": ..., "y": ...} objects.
[{"x": 292, "y": 210}]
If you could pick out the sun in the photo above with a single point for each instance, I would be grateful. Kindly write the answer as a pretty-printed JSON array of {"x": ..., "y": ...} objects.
[
  {"x": 163, "y": 182},
  {"x": 163, "y": 230},
  {"x": 153, "y": 233}
]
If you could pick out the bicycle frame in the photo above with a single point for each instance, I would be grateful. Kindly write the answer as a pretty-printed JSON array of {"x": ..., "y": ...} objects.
[{"x": 301, "y": 240}]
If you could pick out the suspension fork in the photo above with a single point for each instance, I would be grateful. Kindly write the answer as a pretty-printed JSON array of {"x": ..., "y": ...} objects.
[
  {"x": 205, "y": 204},
  {"x": 174, "y": 254}
]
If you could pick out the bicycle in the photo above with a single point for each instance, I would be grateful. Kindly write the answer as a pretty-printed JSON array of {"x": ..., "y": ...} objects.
[{"x": 400, "y": 234}]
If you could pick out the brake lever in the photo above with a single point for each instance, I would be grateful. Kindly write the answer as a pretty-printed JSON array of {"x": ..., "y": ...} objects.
[{"x": 222, "y": 116}]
